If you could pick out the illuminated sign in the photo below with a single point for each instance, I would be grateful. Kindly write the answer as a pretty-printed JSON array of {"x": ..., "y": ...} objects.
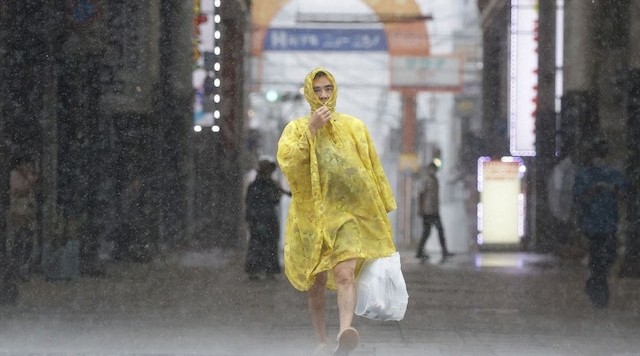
[
  {"x": 523, "y": 77},
  {"x": 501, "y": 208},
  {"x": 314, "y": 39},
  {"x": 442, "y": 73},
  {"x": 206, "y": 76}
]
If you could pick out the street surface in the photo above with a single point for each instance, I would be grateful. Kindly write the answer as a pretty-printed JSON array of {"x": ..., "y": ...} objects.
[{"x": 202, "y": 303}]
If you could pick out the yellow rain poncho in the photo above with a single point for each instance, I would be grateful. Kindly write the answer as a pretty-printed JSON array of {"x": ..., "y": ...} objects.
[{"x": 338, "y": 189}]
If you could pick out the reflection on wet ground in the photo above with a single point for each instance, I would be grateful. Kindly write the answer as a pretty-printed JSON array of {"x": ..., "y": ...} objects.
[
  {"x": 505, "y": 262},
  {"x": 201, "y": 302},
  {"x": 514, "y": 260}
]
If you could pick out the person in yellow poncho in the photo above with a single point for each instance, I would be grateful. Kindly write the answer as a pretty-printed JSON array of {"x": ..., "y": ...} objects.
[{"x": 338, "y": 215}]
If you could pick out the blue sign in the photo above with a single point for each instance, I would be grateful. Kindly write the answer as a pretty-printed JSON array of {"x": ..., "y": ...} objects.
[{"x": 314, "y": 39}]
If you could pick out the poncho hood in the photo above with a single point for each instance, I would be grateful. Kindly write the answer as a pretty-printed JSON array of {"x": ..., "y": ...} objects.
[{"x": 310, "y": 95}]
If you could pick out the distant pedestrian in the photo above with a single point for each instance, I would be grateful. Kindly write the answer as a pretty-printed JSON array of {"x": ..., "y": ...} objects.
[
  {"x": 23, "y": 215},
  {"x": 560, "y": 200},
  {"x": 597, "y": 191},
  {"x": 262, "y": 199},
  {"x": 131, "y": 244},
  {"x": 429, "y": 210}
]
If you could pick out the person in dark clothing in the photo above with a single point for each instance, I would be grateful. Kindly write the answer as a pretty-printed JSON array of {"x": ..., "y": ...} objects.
[
  {"x": 17, "y": 257},
  {"x": 429, "y": 209},
  {"x": 596, "y": 193},
  {"x": 23, "y": 215},
  {"x": 131, "y": 245},
  {"x": 263, "y": 196}
]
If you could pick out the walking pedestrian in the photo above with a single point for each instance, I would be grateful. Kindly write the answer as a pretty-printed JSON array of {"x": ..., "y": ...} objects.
[
  {"x": 261, "y": 214},
  {"x": 597, "y": 191},
  {"x": 429, "y": 210},
  {"x": 338, "y": 214},
  {"x": 23, "y": 215},
  {"x": 131, "y": 244}
]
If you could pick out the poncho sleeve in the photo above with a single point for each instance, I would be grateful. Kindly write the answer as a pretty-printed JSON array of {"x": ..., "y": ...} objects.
[
  {"x": 294, "y": 150},
  {"x": 378, "y": 172}
]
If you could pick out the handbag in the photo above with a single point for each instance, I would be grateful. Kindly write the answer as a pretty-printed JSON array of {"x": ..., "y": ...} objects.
[{"x": 381, "y": 289}]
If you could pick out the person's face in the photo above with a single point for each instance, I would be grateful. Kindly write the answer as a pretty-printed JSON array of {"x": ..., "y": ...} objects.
[{"x": 323, "y": 88}]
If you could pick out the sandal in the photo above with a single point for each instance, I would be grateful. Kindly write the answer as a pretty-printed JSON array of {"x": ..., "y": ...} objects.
[{"x": 347, "y": 341}]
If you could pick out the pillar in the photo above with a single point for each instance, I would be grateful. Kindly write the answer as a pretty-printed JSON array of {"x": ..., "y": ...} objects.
[
  {"x": 407, "y": 167},
  {"x": 8, "y": 288},
  {"x": 174, "y": 141},
  {"x": 495, "y": 35},
  {"x": 230, "y": 143},
  {"x": 631, "y": 260},
  {"x": 545, "y": 124},
  {"x": 578, "y": 116}
]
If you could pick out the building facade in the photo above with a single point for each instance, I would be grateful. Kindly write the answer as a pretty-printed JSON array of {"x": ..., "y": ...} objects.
[{"x": 598, "y": 95}]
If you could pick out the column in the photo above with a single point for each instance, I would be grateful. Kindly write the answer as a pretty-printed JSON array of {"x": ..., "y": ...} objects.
[
  {"x": 631, "y": 260},
  {"x": 577, "y": 104},
  {"x": 545, "y": 124}
]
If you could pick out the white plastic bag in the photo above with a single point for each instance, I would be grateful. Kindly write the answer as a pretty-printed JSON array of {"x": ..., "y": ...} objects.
[{"x": 382, "y": 291}]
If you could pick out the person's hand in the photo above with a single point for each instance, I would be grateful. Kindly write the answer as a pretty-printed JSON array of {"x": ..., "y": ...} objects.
[{"x": 319, "y": 118}]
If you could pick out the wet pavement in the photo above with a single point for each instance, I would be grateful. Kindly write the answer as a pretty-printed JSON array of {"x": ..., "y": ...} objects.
[{"x": 202, "y": 303}]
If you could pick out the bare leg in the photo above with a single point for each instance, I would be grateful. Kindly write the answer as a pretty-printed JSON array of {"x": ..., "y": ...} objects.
[
  {"x": 345, "y": 284},
  {"x": 316, "y": 304}
]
